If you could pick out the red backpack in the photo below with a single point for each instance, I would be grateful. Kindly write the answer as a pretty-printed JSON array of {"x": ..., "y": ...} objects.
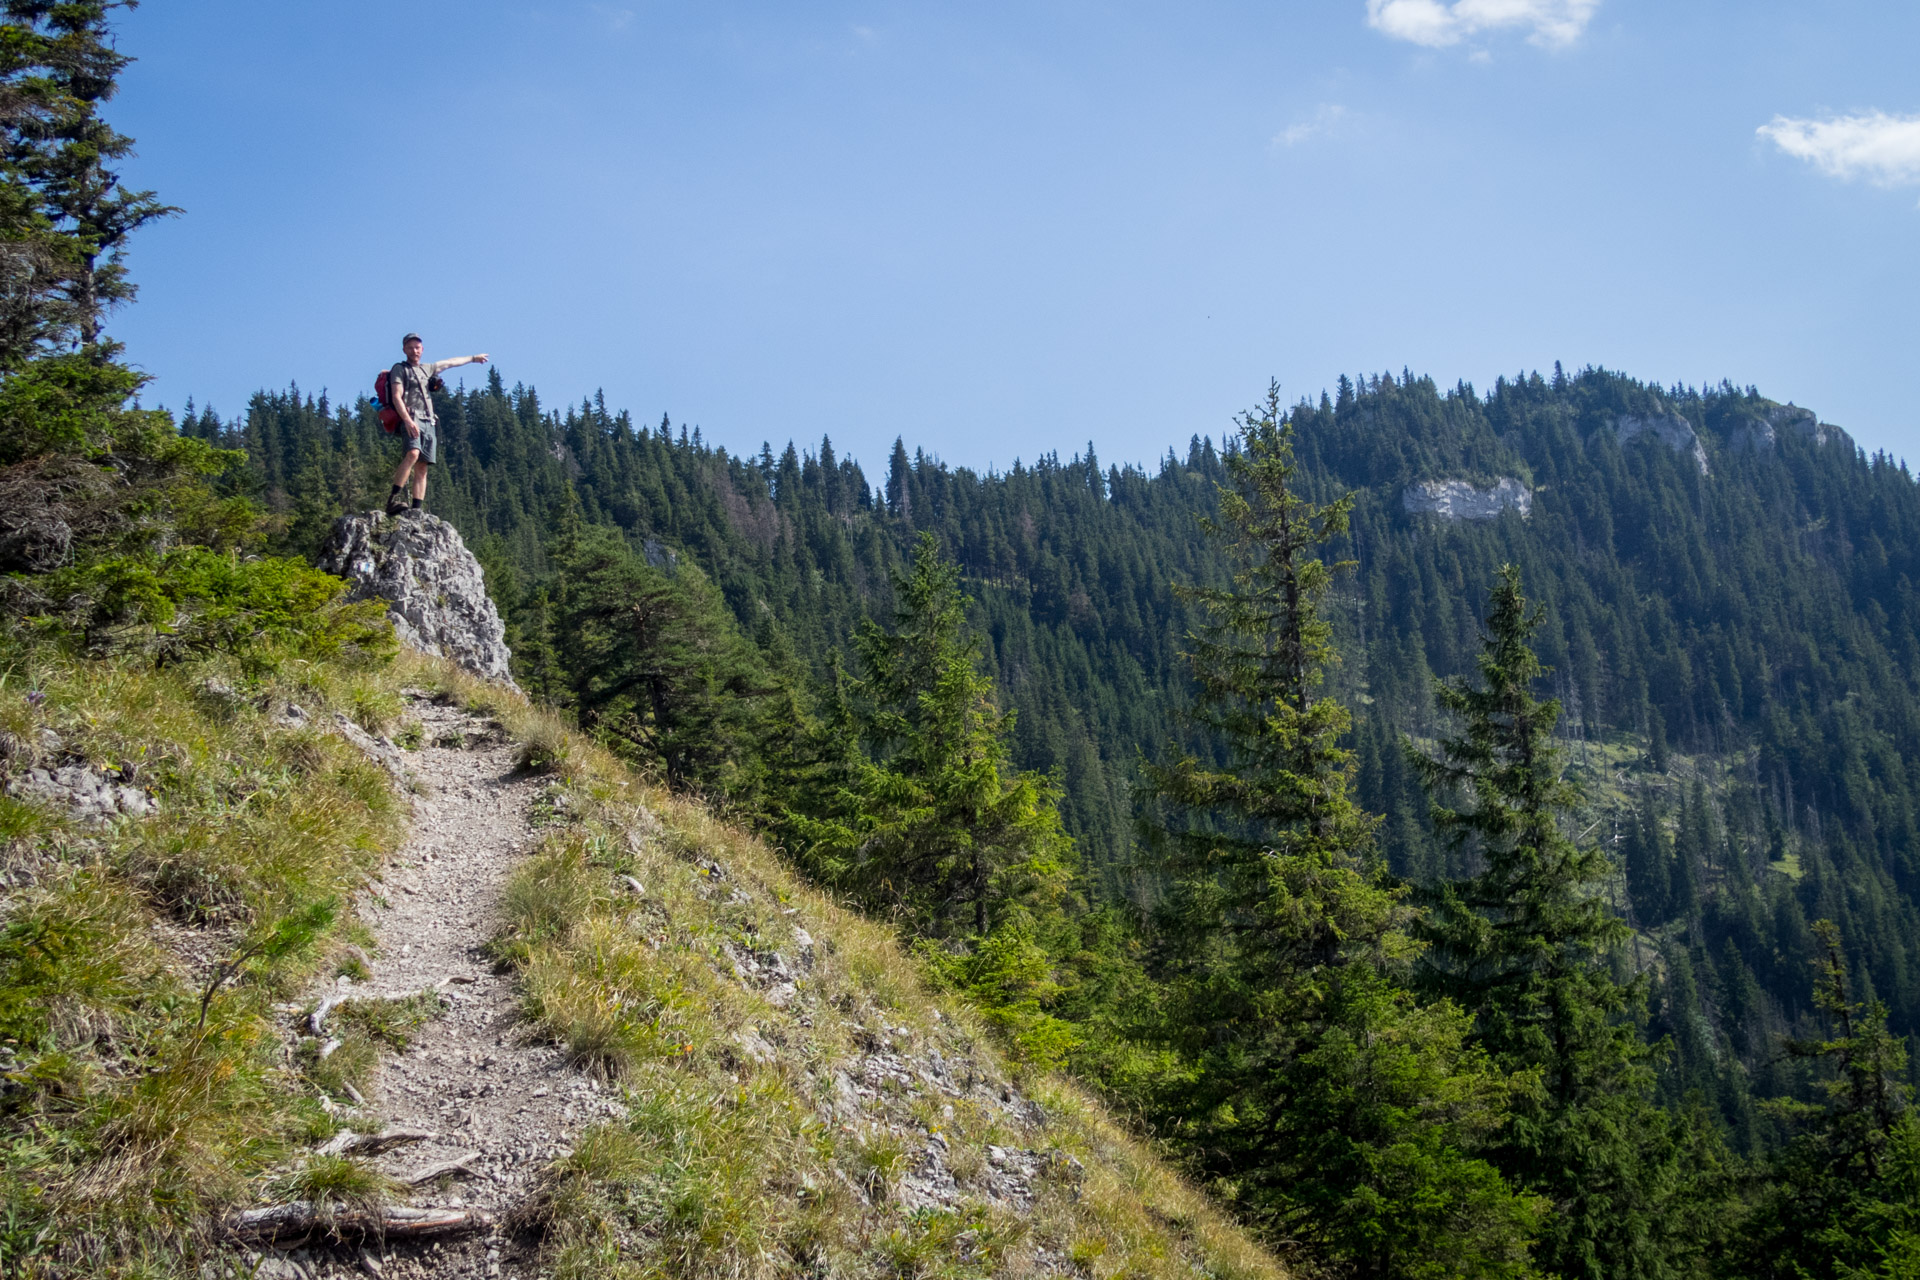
[{"x": 389, "y": 416}]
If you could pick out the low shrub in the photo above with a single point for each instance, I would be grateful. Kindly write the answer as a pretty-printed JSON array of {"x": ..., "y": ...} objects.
[{"x": 194, "y": 601}]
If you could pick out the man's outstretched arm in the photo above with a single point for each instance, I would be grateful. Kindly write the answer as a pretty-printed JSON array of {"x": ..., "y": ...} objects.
[{"x": 441, "y": 366}]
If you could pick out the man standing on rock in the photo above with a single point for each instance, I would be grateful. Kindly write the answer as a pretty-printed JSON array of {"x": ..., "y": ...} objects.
[{"x": 410, "y": 388}]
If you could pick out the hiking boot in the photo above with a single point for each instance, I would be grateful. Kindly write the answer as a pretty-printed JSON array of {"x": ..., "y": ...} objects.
[{"x": 396, "y": 504}]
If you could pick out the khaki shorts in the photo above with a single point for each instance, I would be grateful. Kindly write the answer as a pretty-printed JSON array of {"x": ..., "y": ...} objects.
[{"x": 426, "y": 442}]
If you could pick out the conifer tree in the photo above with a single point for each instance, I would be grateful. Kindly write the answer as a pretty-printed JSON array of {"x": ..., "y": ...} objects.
[
  {"x": 899, "y": 478},
  {"x": 1865, "y": 1092},
  {"x": 936, "y": 825},
  {"x": 655, "y": 660},
  {"x": 1647, "y": 862},
  {"x": 1843, "y": 1199},
  {"x": 63, "y": 66},
  {"x": 1525, "y": 945},
  {"x": 1337, "y": 1110}
]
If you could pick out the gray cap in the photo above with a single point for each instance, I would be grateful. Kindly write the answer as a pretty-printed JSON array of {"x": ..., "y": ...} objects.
[{"x": 413, "y": 337}]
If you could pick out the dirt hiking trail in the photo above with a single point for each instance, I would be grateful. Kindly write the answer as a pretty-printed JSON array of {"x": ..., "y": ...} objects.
[{"x": 498, "y": 1107}]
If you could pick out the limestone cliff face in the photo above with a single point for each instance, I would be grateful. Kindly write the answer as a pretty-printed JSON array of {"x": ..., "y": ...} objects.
[
  {"x": 1759, "y": 435},
  {"x": 435, "y": 591},
  {"x": 1669, "y": 429},
  {"x": 1460, "y": 500}
]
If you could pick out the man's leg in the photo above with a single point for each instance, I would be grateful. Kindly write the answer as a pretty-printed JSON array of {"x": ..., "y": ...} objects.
[
  {"x": 396, "y": 500},
  {"x": 429, "y": 446}
]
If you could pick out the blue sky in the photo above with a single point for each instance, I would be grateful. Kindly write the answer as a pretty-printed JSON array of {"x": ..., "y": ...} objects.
[{"x": 1002, "y": 229}]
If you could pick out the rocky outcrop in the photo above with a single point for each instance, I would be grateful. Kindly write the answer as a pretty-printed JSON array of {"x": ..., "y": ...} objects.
[
  {"x": 1758, "y": 435},
  {"x": 39, "y": 769},
  {"x": 1461, "y": 500},
  {"x": 660, "y": 556},
  {"x": 435, "y": 591},
  {"x": 1669, "y": 429},
  {"x": 90, "y": 794}
]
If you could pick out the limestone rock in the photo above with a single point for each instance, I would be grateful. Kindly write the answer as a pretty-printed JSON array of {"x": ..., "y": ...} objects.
[
  {"x": 1669, "y": 429},
  {"x": 435, "y": 591},
  {"x": 1461, "y": 500},
  {"x": 89, "y": 794},
  {"x": 1758, "y": 435},
  {"x": 1821, "y": 432},
  {"x": 381, "y": 751}
]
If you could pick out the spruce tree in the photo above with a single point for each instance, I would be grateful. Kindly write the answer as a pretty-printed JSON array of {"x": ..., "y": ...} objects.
[
  {"x": 935, "y": 825},
  {"x": 63, "y": 66},
  {"x": 1647, "y": 863},
  {"x": 1843, "y": 1197},
  {"x": 1526, "y": 945},
  {"x": 1332, "y": 1106},
  {"x": 1865, "y": 1092},
  {"x": 654, "y": 660}
]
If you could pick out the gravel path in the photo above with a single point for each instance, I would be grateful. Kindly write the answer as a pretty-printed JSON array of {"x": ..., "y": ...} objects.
[{"x": 503, "y": 1106}]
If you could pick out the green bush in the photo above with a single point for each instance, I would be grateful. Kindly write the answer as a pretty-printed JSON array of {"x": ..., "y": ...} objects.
[
  {"x": 1010, "y": 976},
  {"x": 196, "y": 600},
  {"x": 66, "y": 404}
]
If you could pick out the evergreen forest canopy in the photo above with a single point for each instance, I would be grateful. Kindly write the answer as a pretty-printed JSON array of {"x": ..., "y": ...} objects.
[
  {"x": 1736, "y": 648},
  {"x": 1727, "y": 623}
]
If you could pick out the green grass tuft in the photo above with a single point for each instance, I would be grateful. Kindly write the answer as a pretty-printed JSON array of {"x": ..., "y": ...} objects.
[
  {"x": 390, "y": 1021},
  {"x": 336, "y": 1180}
]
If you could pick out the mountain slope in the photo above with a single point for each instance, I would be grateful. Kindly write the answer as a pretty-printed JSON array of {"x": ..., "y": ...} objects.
[
  {"x": 792, "y": 1098},
  {"x": 1730, "y": 586}
]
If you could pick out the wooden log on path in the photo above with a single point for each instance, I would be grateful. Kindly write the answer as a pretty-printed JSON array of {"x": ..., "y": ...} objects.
[
  {"x": 419, "y": 1177},
  {"x": 302, "y": 1219}
]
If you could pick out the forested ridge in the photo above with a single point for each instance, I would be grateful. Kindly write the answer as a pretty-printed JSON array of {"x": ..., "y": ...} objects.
[
  {"x": 1727, "y": 626},
  {"x": 1736, "y": 648}
]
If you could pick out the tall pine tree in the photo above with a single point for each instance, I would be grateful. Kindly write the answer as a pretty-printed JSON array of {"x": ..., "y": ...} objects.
[
  {"x": 1332, "y": 1106},
  {"x": 1843, "y": 1200},
  {"x": 654, "y": 660},
  {"x": 935, "y": 825},
  {"x": 1526, "y": 944},
  {"x": 64, "y": 67}
]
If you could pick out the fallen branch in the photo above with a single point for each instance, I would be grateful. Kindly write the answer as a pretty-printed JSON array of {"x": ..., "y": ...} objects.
[
  {"x": 318, "y": 1019},
  {"x": 347, "y": 1142},
  {"x": 284, "y": 1223},
  {"x": 420, "y": 1177}
]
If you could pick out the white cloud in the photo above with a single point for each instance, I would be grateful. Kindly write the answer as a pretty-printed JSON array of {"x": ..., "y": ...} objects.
[
  {"x": 1437, "y": 24},
  {"x": 1324, "y": 118},
  {"x": 1883, "y": 149}
]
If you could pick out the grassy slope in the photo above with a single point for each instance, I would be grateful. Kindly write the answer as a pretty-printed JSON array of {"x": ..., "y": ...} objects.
[
  {"x": 750, "y": 1147},
  {"x": 129, "y": 1118},
  {"x": 744, "y": 1154}
]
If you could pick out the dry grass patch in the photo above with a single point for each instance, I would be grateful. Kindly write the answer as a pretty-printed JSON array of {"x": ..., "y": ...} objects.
[{"x": 148, "y": 1085}]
